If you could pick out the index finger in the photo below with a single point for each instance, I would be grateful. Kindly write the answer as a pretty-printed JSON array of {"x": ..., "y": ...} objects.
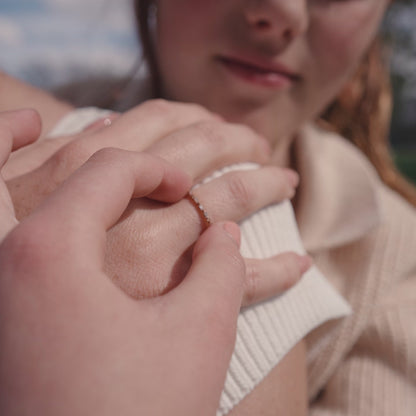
[
  {"x": 140, "y": 127},
  {"x": 96, "y": 195}
]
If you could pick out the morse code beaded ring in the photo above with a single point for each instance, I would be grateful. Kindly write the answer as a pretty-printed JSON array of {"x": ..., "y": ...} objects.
[{"x": 200, "y": 208}]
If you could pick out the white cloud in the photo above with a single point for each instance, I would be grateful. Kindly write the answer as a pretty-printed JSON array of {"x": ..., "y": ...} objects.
[
  {"x": 87, "y": 7},
  {"x": 60, "y": 50},
  {"x": 60, "y": 47},
  {"x": 115, "y": 14}
]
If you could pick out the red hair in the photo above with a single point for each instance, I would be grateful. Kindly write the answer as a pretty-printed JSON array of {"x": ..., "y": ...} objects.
[{"x": 361, "y": 113}]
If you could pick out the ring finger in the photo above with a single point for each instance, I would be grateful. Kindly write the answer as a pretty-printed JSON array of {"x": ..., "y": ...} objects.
[{"x": 238, "y": 194}]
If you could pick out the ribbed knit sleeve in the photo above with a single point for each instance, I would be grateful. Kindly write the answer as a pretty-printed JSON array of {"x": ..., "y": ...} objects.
[
  {"x": 267, "y": 331},
  {"x": 370, "y": 368},
  {"x": 378, "y": 376}
]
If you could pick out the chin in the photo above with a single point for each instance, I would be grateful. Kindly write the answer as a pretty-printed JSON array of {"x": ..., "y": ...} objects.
[{"x": 265, "y": 121}]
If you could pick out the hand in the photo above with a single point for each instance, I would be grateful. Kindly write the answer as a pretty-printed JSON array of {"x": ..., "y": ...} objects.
[
  {"x": 26, "y": 159},
  {"x": 192, "y": 138},
  {"x": 70, "y": 341}
]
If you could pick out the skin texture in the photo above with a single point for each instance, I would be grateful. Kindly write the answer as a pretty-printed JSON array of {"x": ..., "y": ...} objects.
[
  {"x": 321, "y": 40},
  {"x": 71, "y": 342},
  {"x": 44, "y": 276},
  {"x": 196, "y": 141}
]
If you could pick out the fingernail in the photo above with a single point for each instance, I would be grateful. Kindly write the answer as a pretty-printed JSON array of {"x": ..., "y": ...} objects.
[
  {"x": 233, "y": 230},
  {"x": 292, "y": 177},
  {"x": 305, "y": 263}
]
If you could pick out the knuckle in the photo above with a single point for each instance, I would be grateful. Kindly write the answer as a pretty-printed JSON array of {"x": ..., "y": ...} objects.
[
  {"x": 211, "y": 132},
  {"x": 58, "y": 143},
  {"x": 158, "y": 107},
  {"x": 234, "y": 265},
  {"x": 70, "y": 156},
  {"x": 252, "y": 283},
  {"x": 247, "y": 133},
  {"x": 107, "y": 155},
  {"x": 291, "y": 270},
  {"x": 198, "y": 110},
  {"x": 244, "y": 130},
  {"x": 240, "y": 190},
  {"x": 28, "y": 249},
  {"x": 235, "y": 260},
  {"x": 228, "y": 258}
]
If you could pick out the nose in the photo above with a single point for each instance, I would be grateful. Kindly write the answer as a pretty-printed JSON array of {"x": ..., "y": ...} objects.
[{"x": 283, "y": 19}]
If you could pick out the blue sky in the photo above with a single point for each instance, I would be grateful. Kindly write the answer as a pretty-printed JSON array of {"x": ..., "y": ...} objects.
[
  {"x": 48, "y": 42},
  {"x": 17, "y": 6}
]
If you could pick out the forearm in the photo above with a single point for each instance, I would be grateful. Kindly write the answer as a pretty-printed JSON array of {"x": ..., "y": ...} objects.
[
  {"x": 15, "y": 94},
  {"x": 282, "y": 392}
]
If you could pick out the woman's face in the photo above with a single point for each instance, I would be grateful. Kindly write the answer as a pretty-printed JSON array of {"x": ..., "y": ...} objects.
[{"x": 270, "y": 64}]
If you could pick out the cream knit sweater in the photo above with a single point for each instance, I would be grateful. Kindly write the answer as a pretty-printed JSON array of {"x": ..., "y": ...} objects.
[
  {"x": 266, "y": 332},
  {"x": 363, "y": 238}
]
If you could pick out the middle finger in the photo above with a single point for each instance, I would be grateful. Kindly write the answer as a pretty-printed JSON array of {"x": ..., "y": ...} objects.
[{"x": 203, "y": 147}]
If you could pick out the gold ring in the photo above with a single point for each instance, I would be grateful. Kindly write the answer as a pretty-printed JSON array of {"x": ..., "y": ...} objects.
[{"x": 200, "y": 208}]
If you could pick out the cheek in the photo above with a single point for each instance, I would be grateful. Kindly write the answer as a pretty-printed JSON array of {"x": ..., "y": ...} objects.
[
  {"x": 183, "y": 31},
  {"x": 172, "y": 15},
  {"x": 183, "y": 22},
  {"x": 341, "y": 35}
]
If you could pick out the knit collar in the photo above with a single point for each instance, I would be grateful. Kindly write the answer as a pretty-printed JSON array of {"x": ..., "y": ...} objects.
[{"x": 337, "y": 200}]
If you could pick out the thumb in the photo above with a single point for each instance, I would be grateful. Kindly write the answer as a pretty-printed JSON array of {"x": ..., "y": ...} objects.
[
  {"x": 216, "y": 279},
  {"x": 18, "y": 128}
]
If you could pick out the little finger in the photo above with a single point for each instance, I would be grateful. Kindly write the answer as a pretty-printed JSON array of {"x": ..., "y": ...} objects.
[{"x": 270, "y": 277}]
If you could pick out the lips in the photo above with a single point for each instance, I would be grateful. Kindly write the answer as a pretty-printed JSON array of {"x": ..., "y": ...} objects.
[{"x": 257, "y": 72}]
